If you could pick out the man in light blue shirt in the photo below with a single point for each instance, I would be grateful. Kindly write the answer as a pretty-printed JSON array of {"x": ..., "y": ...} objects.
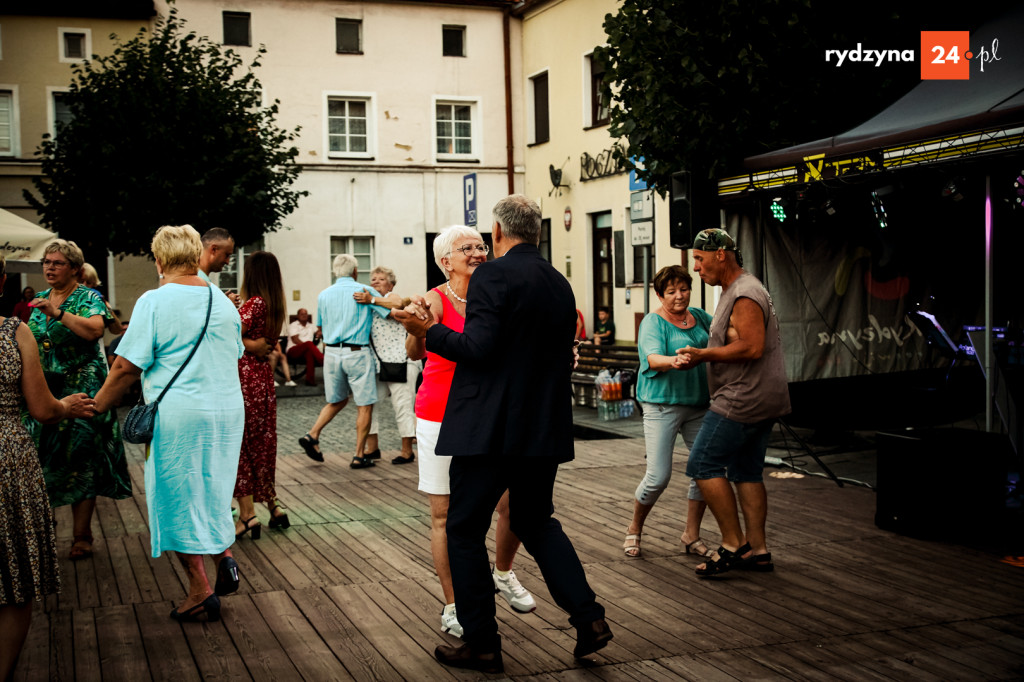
[{"x": 348, "y": 362}]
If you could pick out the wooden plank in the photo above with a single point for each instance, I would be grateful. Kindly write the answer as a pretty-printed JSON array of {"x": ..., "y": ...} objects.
[
  {"x": 86, "y": 648},
  {"x": 123, "y": 579},
  {"x": 695, "y": 670},
  {"x": 213, "y": 652},
  {"x": 256, "y": 640},
  {"x": 33, "y": 662},
  {"x": 137, "y": 555},
  {"x": 364, "y": 662},
  {"x": 61, "y": 645},
  {"x": 120, "y": 642},
  {"x": 164, "y": 643}
]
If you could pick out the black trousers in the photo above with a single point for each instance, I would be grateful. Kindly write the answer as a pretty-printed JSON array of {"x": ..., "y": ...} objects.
[{"x": 477, "y": 483}]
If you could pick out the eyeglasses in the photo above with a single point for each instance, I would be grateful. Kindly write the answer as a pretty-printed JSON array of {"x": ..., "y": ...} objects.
[
  {"x": 468, "y": 249},
  {"x": 53, "y": 263}
]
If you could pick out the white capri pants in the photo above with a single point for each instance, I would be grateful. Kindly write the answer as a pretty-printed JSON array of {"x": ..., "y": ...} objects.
[{"x": 403, "y": 398}]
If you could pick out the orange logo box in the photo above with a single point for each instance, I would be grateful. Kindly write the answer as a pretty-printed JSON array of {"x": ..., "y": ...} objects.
[{"x": 945, "y": 55}]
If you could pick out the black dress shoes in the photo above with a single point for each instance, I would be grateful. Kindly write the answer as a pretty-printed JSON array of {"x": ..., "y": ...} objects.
[
  {"x": 465, "y": 657},
  {"x": 591, "y": 637}
]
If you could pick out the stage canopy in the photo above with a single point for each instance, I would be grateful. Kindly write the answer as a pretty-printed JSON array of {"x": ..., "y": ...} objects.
[{"x": 22, "y": 241}]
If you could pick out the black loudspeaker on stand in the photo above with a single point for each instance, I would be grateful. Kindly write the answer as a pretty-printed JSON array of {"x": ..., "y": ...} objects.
[{"x": 947, "y": 484}]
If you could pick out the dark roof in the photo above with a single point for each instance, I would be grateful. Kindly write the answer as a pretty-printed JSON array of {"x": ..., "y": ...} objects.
[{"x": 992, "y": 99}]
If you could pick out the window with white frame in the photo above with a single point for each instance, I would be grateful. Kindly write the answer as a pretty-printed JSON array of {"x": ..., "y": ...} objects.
[
  {"x": 74, "y": 44},
  {"x": 349, "y": 126},
  {"x": 541, "y": 120},
  {"x": 61, "y": 112},
  {"x": 456, "y": 130},
  {"x": 598, "y": 112},
  {"x": 8, "y": 121},
  {"x": 234, "y": 270},
  {"x": 361, "y": 248},
  {"x": 453, "y": 41},
  {"x": 348, "y": 34}
]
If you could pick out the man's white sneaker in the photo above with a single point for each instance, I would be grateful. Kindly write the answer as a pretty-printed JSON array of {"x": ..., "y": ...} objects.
[
  {"x": 514, "y": 593},
  {"x": 290, "y": 383},
  {"x": 449, "y": 623}
]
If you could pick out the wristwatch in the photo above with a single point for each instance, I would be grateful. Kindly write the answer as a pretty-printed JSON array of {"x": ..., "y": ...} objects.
[{"x": 58, "y": 318}]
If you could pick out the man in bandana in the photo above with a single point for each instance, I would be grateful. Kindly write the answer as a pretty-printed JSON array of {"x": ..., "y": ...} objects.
[{"x": 747, "y": 380}]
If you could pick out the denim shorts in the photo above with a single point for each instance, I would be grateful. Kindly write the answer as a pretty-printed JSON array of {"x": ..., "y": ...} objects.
[
  {"x": 347, "y": 370},
  {"x": 729, "y": 449}
]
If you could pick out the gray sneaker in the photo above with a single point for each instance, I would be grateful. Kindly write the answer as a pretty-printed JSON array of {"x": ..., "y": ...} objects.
[
  {"x": 515, "y": 594},
  {"x": 450, "y": 624}
]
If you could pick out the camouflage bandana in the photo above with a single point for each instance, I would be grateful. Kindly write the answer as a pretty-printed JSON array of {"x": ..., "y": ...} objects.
[{"x": 714, "y": 239}]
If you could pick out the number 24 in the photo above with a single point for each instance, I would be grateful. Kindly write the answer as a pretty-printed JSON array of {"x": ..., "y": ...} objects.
[{"x": 953, "y": 55}]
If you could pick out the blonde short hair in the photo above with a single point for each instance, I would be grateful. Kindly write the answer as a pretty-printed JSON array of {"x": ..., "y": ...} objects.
[
  {"x": 446, "y": 238},
  {"x": 67, "y": 249},
  {"x": 177, "y": 246},
  {"x": 344, "y": 265},
  {"x": 90, "y": 277}
]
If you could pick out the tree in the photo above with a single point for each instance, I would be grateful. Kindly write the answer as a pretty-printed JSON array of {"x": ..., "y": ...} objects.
[
  {"x": 699, "y": 85},
  {"x": 168, "y": 129}
]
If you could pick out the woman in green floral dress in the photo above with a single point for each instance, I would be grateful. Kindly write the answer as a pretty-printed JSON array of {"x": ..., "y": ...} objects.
[{"x": 81, "y": 458}]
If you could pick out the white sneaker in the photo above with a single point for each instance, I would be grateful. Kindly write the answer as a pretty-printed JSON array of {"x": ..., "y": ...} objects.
[
  {"x": 515, "y": 594},
  {"x": 290, "y": 383},
  {"x": 276, "y": 384},
  {"x": 449, "y": 623}
]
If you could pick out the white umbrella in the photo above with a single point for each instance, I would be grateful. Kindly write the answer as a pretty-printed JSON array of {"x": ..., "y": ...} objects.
[{"x": 21, "y": 240}]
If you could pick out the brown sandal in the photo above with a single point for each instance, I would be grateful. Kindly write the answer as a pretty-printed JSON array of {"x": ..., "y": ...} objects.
[{"x": 78, "y": 552}]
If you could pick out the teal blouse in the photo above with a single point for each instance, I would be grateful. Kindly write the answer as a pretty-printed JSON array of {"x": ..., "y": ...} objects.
[{"x": 674, "y": 387}]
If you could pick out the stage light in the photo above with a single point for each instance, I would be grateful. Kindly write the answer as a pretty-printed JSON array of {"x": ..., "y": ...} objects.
[
  {"x": 778, "y": 210},
  {"x": 879, "y": 207},
  {"x": 1018, "y": 191}
]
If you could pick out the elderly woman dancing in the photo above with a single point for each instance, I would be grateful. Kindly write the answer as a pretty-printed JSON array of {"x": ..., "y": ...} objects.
[
  {"x": 28, "y": 553},
  {"x": 81, "y": 458},
  {"x": 193, "y": 458},
  {"x": 458, "y": 250},
  {"x": 674, "y": 401}
]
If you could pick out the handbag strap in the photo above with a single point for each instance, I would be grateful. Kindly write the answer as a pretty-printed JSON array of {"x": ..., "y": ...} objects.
[
  {"x": 375, "y": 350},
  {"x": 209, "y": 307}
]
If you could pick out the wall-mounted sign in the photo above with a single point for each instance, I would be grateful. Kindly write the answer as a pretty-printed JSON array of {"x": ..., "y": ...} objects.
[
  {"x": 603, "y": 165},
  {"x": 641, "y": 233},
  {"x": 635, "y": 183},
  {"x": 407, "y": 240},
  {"x": 469, "y": 198},
  {"x": 641, "y": 206},
  {"x": 568, "y": 218}
]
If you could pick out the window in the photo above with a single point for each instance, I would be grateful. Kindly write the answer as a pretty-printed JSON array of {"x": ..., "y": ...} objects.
[
  {"x": 541, "y": 127},
  {"x": 455, "y": 128},
  {"x": 348, "y": 36},
  {"x": 61, "y": 111},
  {"x": 8, "y": 132},
  {"x": 453, "y": 41},
  {"x": 361, "y": 248},
  {"x": 349, "y": 127},
  {"x": 75, "y": 44},
  {"x": 545, "y": 239},
  {"x": 230, "y": 278},
  {"x": 237, "y": 28},
  {"x": 599, "y": 112}
]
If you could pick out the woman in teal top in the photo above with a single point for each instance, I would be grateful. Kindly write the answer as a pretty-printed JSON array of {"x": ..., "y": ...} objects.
[{"x": 674, "y": 400}]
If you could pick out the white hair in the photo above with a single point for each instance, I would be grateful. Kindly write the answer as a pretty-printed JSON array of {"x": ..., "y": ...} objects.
[
  {"x": 344, "y": 265},
  {"x": 446, "y": 238}
]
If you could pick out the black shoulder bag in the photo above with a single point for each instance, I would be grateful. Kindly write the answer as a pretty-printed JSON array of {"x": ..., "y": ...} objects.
[
  {"x": 390, "y": 372},
  {"x": 141, "y": 419}
]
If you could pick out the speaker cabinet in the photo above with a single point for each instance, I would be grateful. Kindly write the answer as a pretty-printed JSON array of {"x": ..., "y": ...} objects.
[{"x": 942, "y": 484}]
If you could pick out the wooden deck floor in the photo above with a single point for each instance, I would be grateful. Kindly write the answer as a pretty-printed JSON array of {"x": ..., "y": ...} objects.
[{"x": 349, "y": 592}]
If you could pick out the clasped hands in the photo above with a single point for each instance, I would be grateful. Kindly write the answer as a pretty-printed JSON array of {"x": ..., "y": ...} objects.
[
  {"x": 79, "y": 406},
  {"x": 415, "y": 317},
  {"x": 688, "y": 357}
]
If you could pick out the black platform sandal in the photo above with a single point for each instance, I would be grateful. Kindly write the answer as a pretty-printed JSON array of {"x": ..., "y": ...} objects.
[
  {"x": 361, "y": 463},
  {"x": 280, "y": 520},
  {"x": 725, "y": 562}
]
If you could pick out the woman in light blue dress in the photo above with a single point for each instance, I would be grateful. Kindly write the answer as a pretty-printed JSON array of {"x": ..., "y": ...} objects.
[{"x": 193, "y": 458}]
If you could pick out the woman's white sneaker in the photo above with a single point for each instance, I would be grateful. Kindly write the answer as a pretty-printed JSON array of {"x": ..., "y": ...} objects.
[
  {"x": 449, "y": 623},
  {"x": 515, "y": 594}
]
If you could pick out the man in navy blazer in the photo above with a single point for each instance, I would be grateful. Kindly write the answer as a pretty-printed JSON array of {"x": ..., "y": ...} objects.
[{"x": 508, "y": 425}]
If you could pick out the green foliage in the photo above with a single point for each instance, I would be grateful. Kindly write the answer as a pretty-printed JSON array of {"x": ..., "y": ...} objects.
[
  {"x": 699, "y": 85},
  {"x": 167, "y": 130}
]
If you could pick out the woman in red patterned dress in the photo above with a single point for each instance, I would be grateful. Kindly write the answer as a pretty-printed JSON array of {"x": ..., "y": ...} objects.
[{"x": 263, "y": 313}]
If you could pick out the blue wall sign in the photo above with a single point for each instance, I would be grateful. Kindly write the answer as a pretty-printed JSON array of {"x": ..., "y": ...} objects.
[{"x": 469, "y": 199}]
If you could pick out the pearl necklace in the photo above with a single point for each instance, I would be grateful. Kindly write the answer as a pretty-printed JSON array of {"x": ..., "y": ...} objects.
[{"x": 448, "y": 286}]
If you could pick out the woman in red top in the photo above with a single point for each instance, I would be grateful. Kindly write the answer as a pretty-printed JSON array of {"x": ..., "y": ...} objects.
[
  {"x": 263, "y": 314},
  {"x": 458, "y": 251}
]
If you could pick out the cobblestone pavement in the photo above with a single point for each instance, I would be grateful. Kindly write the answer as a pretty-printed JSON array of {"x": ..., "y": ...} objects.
[{"x": 296, "y": 415}]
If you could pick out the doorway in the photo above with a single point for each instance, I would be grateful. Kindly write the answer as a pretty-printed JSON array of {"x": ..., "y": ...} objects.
[{"x": 602, "y": 259}]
